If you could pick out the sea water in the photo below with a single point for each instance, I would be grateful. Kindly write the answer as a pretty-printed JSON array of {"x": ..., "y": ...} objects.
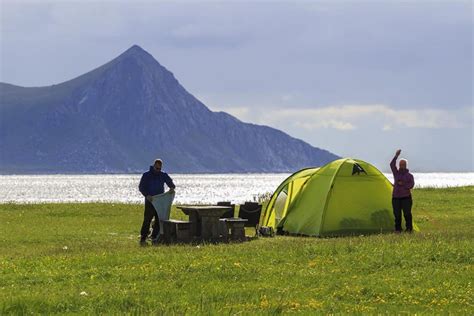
[{"x": 190, "y": 188}]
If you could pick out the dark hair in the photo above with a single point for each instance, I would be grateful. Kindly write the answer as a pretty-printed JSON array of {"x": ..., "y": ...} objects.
[{"x": 158, "y": 161}]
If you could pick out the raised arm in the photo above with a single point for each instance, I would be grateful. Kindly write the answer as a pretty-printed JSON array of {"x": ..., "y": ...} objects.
[{"x": 393, "y": 163}]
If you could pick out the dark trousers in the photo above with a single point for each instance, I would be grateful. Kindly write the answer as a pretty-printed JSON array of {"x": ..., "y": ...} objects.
[
  {"x": 148, "y": 215},
  {"x": 399, "y": 205}
]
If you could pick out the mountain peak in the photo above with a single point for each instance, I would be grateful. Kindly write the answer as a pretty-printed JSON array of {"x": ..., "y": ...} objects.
[
  {"x": 137, "y": 52},
  {"x": 136, "y": 49}
]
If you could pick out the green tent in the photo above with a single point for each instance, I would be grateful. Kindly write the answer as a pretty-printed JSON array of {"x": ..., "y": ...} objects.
[{"x": 344, "y": 197}]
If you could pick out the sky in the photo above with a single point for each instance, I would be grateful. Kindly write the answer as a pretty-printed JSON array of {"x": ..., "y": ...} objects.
[{"x": 360, "y": 79}]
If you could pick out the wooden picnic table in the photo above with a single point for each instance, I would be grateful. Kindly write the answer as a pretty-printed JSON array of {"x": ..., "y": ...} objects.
[{"x": 208, "y": 216}]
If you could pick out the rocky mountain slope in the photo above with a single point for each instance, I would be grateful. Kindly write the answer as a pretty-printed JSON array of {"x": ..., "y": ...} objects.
[{"x": 122, "y": 115}]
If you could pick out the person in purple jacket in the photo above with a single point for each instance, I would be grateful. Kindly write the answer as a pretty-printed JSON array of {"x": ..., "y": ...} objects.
[{"x": 401, "y": 196}]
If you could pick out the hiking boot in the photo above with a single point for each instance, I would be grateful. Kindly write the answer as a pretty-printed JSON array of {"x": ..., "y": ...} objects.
[
  {"x": 398, "y": 232},
  {"x": 143, "y": 243}
]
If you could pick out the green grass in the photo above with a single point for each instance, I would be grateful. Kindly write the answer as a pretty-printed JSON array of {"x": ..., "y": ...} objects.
[{"x": 50, "y": 253}]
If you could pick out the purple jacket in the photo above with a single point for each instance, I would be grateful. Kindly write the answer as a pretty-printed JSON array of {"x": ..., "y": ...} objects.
[{"x": 401, "y": 190}]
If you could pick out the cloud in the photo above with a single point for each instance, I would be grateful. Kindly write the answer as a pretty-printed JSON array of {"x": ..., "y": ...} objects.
[
  {"x": 350, "y": 117},
  {"x": 340, "y": 125},
  {"x": 287, "y": 97},
  {"x": 387, "y": 127}
]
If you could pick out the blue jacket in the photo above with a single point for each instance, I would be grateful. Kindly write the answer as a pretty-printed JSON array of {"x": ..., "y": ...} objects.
[{"x": 153, "y": 183}]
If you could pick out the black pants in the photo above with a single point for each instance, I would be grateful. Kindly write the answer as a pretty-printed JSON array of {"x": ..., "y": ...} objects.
[
  {"x": 399, "y": 205},
  {"x": 148, "y": 215}
]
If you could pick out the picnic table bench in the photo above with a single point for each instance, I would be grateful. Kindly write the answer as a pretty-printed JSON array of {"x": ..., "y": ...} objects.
[
  {"x": 176, "y": 230},
  {"x": 236, "y": 226}
]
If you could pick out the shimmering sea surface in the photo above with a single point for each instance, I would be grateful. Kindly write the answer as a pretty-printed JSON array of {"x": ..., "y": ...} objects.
[{"x": 190, "y": 188}]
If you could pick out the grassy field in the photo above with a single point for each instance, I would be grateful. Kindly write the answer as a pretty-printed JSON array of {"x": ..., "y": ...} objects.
[{"x": 85, "y": 258}]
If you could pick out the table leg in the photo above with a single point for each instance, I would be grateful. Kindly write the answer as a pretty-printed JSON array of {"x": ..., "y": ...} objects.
[
  {"x": 215, "y": 227},
  {"x": 238, "y": 231},
  {"x": 223, "y": 229},
  {"x": 195, "y": 228},
  {"x": 206, "y": 227}
]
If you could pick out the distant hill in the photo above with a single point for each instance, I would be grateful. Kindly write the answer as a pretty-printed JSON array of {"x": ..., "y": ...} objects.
[{"x": 120, "y": 116}]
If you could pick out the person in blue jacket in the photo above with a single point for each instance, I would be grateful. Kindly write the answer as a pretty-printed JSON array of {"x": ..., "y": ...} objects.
[{"x": 153, "y": 183}]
